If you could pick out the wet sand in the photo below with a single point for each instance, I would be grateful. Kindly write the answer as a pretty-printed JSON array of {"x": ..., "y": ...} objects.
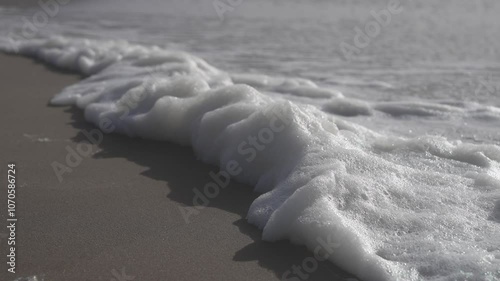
[{"x": 116, "y": 215}]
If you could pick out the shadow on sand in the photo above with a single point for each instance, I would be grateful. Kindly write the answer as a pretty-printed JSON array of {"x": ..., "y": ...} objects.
[{"x": 164, "y": 159}]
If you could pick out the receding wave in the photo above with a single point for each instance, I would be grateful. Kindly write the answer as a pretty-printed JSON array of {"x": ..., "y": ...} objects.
[{"x": 395, "y": 208}]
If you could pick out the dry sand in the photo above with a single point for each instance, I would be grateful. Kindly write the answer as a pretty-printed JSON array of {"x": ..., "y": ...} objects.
[{"x": 119, "y": 209}]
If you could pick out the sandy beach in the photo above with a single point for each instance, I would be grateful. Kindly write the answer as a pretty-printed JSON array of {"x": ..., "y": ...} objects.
[{"x": 116, "y": 214}]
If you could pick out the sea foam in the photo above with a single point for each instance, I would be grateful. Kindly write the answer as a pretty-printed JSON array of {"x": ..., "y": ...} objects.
[{"x": 397, "y": 208}]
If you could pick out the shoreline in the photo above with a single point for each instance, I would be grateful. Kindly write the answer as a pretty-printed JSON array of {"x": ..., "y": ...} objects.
[{"x": 117, "y": 211}]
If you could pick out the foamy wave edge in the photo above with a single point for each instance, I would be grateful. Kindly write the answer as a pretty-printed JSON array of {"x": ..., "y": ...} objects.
[{"x": 321, "y": 178}]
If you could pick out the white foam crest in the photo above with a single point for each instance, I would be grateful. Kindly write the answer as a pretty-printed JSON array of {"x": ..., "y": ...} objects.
[
  {"x": 397, "y": 209},
  {"x": 282, "y": 85},
  {"x": 354, "y": 107},
  {"x": 479, "y": 155}
]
